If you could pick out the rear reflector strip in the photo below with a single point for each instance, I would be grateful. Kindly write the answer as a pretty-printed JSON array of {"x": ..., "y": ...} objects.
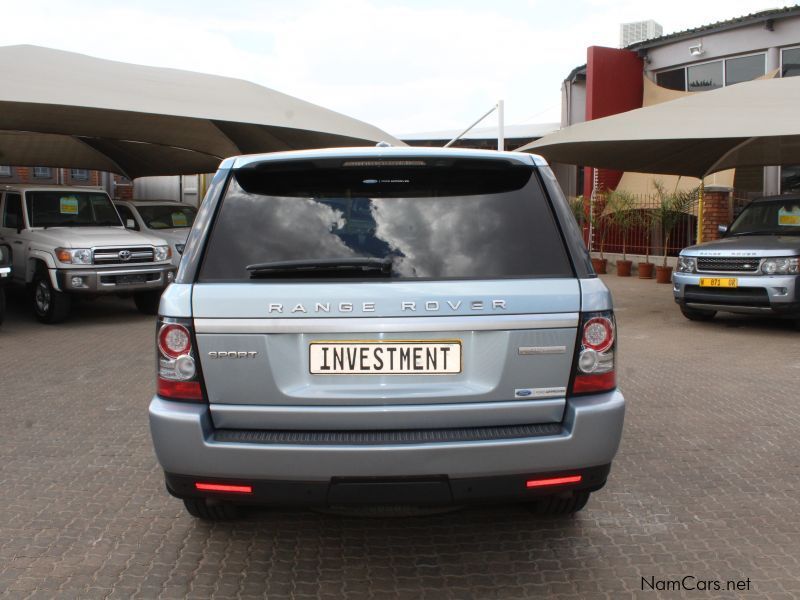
[
  {"x": 534, "y": 483},
  {"x": 179, "y": 390},
  {"x": 596, "y": 382},
  {"x": 221, "y": 487}
]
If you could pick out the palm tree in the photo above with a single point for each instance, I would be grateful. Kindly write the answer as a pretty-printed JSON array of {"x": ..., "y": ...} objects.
[
  {"x": 621, "y": 211},
  {"x": 670, "y": 209}
]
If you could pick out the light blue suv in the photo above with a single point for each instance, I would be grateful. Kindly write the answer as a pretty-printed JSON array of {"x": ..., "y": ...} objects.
[{"x": 385, "y": 326}]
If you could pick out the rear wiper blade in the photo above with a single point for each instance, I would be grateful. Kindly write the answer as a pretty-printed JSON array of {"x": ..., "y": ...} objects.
[{"x": 367, "y": 266}]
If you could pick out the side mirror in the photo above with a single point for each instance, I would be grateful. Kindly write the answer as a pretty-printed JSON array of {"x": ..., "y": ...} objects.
[
  {"x": 723, "y": 229},
  {"x": 130, "y": 224}
]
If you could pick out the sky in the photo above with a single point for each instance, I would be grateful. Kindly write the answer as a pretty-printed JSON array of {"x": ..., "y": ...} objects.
[{"x": 405, "y": 66}]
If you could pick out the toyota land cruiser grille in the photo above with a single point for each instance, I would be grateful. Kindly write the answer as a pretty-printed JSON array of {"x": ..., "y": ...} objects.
[
  {"x": 123, "y": 256},
  {"x": 717, "y": 264}
]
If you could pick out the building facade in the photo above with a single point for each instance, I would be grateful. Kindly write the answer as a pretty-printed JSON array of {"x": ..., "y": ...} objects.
[
  {"x": 765, "y": 44},
  {"x": 118, "y": 187},
  {"x": 638, "y": 31}
]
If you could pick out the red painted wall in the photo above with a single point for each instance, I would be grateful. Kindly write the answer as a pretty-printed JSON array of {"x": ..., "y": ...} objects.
[{"x": 613, "y": 85}]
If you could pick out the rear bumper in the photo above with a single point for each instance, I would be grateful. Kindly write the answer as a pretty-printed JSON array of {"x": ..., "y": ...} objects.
[
  {"x": 427, "y": 491},
  {"x": 186, "y": 444},
  {"x": 764, "y": 294}
]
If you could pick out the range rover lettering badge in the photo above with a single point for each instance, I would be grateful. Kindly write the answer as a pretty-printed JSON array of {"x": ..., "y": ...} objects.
[
  {"x": 233, "y": 354},
  {"x": 429, "y": 306}
]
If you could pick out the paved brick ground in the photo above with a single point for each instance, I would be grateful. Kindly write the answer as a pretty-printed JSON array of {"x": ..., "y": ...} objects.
[{"x": 706, "y": 482}]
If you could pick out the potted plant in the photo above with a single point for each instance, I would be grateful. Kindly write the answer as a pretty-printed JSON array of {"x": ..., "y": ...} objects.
[
  {"x": 645, "y": 220},
  {"x": 596, "y": 220},
  {"x": 578, "y": 207},
  {"x": 669, "y": 211},
  {"x": 621, "y": 211}
]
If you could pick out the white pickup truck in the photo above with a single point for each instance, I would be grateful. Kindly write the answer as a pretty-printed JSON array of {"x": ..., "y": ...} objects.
[{"x": 67, "y": 241}]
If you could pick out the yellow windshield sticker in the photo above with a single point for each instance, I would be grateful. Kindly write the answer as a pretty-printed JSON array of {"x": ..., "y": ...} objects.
[
  {"x": 179, "y": 220},
  {"x": 790, "y": 217},
  {"x": 69, "y": 205}
]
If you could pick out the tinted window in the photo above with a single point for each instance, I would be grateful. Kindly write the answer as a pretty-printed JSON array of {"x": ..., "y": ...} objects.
[
  {"x": 68, "y": 209},
  {"x": 777, "y": 216},
  {"x": 164, "y": 216},
  {"x": 12, "y": 211},
  {"x": 745, "y": 68},
  {"x": 453, "y": 222},
  {"x": 126, "y": 213},
  {"x": 704, "y": 77},
  {"x": 674, "y": 80}
]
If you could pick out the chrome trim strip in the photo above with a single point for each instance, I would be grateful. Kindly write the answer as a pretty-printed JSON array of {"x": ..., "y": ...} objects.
[
  {"x": 730, "y": 308},
  {"x": 387, "y": 324}
]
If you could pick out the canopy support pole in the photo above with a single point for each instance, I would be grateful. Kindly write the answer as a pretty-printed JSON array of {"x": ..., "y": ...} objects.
[{"x": 700, "y": 210}]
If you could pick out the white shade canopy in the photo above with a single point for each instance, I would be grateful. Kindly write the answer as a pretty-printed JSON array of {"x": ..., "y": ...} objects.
[
  {"x": 748, "y": 124},
  {"x": 63, "y": 109}
]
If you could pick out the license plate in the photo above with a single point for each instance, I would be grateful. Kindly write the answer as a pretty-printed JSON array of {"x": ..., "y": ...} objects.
[
  {"x": 128, "y": 279},
  {"x": 723, "y": 282},
  {"x": 385, "y": 358}
]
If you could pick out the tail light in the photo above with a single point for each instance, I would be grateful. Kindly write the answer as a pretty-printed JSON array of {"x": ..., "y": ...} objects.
[
  {"x": 595, "y": 364},
  {"x": 178, "y": 375}
]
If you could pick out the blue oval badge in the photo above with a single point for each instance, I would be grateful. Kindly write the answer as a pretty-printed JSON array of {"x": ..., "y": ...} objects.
[{"x": 523, "y": 393}]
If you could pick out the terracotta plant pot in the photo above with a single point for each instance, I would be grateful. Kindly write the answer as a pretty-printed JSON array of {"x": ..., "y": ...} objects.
[
  {"x": 646, "y": 270},
  {"x": 663, "y": 274},
  {"x": 599, "y": 265},
  {"x": 624, "y": 268}
]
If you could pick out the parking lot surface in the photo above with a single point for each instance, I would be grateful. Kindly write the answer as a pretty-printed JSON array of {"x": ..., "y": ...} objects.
[{"x": 706, "y": 485}]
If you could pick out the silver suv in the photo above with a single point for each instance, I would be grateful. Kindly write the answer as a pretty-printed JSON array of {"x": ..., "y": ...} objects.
[
  {"x": 753, "y": 269},
  {"x": 385, "y": 326}
]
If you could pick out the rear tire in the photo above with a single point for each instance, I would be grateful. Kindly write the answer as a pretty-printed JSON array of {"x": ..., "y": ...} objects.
[
  {"x": 202, "y": 509},
  {"x": 49, "y": 305},
  {"x": 2, "y": 305},
  {"x": 560, "y": 506},
  {"x": 694, "y": 314},
  {"x": 147, "y": 302}
]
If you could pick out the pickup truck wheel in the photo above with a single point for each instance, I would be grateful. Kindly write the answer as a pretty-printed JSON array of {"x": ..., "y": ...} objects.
[
  {"x": 201, "y": 509},
  {"x": 2, "y": 305},
  {"x": 49, "y": 305},
  {"x": 694, "y": 314},
  {"x": 147, "y": 302},
  {"x": 557, "y": 505}
]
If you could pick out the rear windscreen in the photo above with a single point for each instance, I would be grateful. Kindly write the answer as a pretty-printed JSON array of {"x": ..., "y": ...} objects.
[{"x": 460, "y": 220}]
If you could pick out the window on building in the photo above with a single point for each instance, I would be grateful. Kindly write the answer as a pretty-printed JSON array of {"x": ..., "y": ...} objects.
[
  {"x": 708, "y": 76},
  {"x": 745, "y": 68},
  {"x": 673, "y": 80},
  {"x": 790, "y": 62},
  {"x": 79, "y": 174},
  {"x": 790, "y": 179},
  {"x": 42, "y": 172},
  {"x": 5, "y": 171}
]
